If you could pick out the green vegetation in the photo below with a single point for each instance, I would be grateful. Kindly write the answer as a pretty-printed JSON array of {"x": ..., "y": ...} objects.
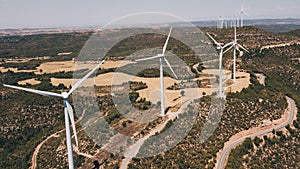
[
  {"x": 281, "y": 149},
  {"x": 242, "y": 111},
  {"x": 293, "y": 33},
  {"x": 26, "y": 119},
  {"x": 42, "y": 45},
  {"x": 235, "y": 158},
  {"x": 279, "y": 28}
]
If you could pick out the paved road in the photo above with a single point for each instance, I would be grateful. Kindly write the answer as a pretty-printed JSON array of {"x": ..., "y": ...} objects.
[{"x": 222, "y": 162}]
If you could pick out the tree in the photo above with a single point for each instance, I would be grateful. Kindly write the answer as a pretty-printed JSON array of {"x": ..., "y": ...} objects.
[
  {"x": 124, "y": 123},
  {"x": 182, "y": 92},
  {"x": 257, "y": 141}
]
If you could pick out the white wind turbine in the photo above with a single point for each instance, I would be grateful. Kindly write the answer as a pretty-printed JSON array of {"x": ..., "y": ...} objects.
[
  {"x": 221, "y": 48},
  {"x": 235, "y": 45},
  {"x": 220, "y": 22},
  {"x": 68, "y": 111},
  {"x": 161, "y": 58},
  {"x": 242, "y": 13}
]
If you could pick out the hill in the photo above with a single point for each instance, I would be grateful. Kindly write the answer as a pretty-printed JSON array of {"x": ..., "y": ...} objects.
[{"x": 27, "y": 119}]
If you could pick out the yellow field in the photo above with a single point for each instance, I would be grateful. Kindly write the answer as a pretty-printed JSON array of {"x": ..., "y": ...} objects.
[
  {"x": 29, "y": 81},
  {"x": 54, "y": 67},
  {"x": 15, "y": 70},
  {"x": 152, "y": 93}
]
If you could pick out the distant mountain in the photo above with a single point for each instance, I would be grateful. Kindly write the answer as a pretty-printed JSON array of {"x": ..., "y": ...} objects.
[
  {"x": 253, "y": 22},
  {"x": 279, "y": 28},
  {"x": 270, "y": 25},
  {"x": 35, "y": 31}
]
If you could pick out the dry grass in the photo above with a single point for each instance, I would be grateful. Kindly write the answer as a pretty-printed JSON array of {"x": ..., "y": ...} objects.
[
  {"x": 242, "y": 81},
  {"x": 152, "y": 93},
  {"x": 15, "y": 70},
  {"x": 29, "y": 81},
  {"x": 55, "y": 67}
]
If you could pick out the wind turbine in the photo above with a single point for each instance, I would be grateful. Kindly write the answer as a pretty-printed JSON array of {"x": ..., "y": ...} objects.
[
  {"x": 221, "y": 48},
  {"x": 161, "y": 58},
  {"x": 242, "y": 13},
  {"x": 235, "y": 45},
  {"x": 67, "y": 108},
  {"x": 220, "y": 22}
]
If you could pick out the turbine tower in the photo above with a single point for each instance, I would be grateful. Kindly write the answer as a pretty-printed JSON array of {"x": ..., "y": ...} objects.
[
  {"x": 221, "y": 48},
  {"x": 238, "y": 20},
  {"x": 235, "y": 45},
  {"x": 222, "y": 22},
  {"x": 67, "y": 109},
  {"x": 219, "y": 22},
  {"x": 232, "y": 22},
  {"x": 161, "y": 58},
  {"x": 226, "y": 22}
]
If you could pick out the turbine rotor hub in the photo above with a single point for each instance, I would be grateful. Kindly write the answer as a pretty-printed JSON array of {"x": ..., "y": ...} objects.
[{"x": 64, "y": 95}]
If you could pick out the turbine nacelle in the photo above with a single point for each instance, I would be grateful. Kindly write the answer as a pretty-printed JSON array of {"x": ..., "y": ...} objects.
[
  {"x": 64, "y": 95},
  {"x": 160, "y": 55}
]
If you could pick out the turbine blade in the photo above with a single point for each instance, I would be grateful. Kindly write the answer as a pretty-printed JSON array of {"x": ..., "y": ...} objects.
[
  {"x": 166, "y": 43},
  {"x": 228, "y": 44},
  {"x": 149, "y": 58},
  {"x": 44, "y": 93},
  {"x": 213, "y": 40},
  {"x": 170, "y": 68},
  {"x": 69, "y": 109},
  {"x": 228, "y": 49},
  {"x": 243, "y": 48},
  {"x": 77, "y": 84}
]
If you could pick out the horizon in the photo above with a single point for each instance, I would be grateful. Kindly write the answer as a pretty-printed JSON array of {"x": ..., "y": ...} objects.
[
  {"x": 192, "y": 21},
  {"x": 65, "y": 14}
]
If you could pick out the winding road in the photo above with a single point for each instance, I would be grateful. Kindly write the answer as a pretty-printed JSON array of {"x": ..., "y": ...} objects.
[
  {"x": 37, "y": 149},
  {"x": 133, "y": 150},
  {"x": 56, "y": 134},
  {"x": 280, "y": 45},
  {"x": 226, "y": 150}
]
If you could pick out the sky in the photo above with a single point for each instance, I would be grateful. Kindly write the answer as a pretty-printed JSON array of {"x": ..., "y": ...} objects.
[{"x": 81, "y": 13}]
